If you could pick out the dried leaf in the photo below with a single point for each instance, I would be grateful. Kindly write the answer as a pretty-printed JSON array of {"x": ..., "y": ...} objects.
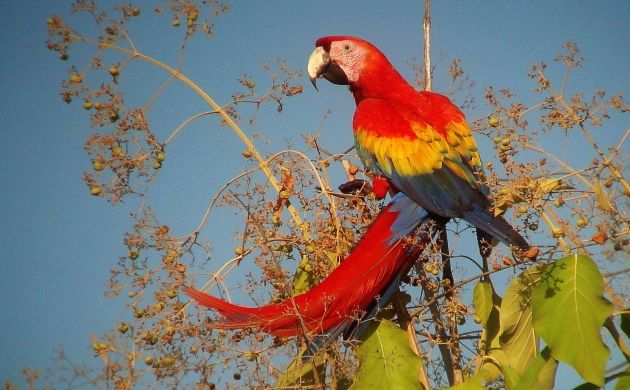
[{"x": 602, "y": 197}]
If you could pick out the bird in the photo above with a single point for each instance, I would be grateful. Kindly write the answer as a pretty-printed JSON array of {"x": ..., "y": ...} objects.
[
  {"x": 378, "y": 261},
  {"x": 419, "y": 141}
]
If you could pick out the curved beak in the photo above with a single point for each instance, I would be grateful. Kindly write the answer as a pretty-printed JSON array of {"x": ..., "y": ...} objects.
[{"x": 320, "y": 64}]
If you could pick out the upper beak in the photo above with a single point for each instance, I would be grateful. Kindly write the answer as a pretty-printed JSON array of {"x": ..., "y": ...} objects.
[
  {"x": 318, "y": 62},
  {"x": 321, "y": 65}
]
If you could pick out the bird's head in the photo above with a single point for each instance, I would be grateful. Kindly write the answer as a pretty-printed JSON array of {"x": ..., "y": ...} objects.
[
  {"x": 340, "y": 59},
  {"x": 352, "y": 61}
]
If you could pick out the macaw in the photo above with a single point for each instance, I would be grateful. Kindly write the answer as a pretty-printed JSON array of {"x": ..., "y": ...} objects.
[
  {"x": 418, "y": 140},
  {"x": 379, "y": 260}
]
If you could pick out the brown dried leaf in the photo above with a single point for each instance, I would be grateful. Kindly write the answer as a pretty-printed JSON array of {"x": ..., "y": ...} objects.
[{"x": 602, "y": 197}]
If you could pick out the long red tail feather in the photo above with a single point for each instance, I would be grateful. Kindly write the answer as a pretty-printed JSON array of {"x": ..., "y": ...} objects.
[{"x": 376, "y": 260}]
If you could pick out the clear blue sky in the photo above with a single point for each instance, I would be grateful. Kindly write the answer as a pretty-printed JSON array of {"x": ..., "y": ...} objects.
[{"x": 58, "y": 243}]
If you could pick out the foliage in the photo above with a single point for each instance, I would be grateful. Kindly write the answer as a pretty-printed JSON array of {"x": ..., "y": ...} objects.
[{"x": 553, "y": 311}]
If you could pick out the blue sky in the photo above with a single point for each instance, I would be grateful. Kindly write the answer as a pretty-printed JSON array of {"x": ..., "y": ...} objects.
[{"x": 58, "y": 243}]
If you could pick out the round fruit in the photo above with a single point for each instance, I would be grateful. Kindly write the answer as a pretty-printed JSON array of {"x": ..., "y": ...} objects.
[
  {"x": 287, "y": 248},
  {"x": 192, "y": 15},
  {"x": 238, "y": 251},
  {"x": 87, "y": 104},
  {"x": 75, "y": 78},
  {"x": 557, "y": 232},
  {"x": 113, "y": 70},
  {"x": 98, "y": 164},
  {"x": 123, "y": 328},
  {"x": 117, "y": 151},
  {"x": 160, "y": 156},
  {"x": 175, "y": 22},
  {"x": 95, "y": 190},
  {"x": 133, "y": 255},
  {"x": 581, "y": 222},
  {"x": 157, "y": 164},
  {"x": 493, "y": 121},
  {"x": 148, "y": 360}
]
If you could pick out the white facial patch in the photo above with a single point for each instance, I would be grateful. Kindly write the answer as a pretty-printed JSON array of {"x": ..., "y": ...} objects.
[{"x": 349, "y": 56}]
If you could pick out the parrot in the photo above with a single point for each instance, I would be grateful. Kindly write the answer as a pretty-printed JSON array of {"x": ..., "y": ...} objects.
[
  {"x": 383, "y": 255},
  {"x": 419, "y": 141}
]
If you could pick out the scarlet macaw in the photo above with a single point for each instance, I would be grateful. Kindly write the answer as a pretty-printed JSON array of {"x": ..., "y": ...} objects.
[
  {"x": 419, "y": 141},
  {"x": 379, "y": 259}
]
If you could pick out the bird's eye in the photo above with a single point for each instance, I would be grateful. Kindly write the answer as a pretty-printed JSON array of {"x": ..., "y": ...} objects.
[{"x": 346, "y": 47}]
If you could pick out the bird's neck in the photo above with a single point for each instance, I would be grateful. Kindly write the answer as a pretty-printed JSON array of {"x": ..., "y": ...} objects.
[{"x": 381, "y": 82}]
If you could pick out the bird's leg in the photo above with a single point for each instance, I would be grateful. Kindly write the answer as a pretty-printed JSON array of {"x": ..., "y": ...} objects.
[
  {"x": 484, "y": 240},
  {"x": 447, "y": 271}
]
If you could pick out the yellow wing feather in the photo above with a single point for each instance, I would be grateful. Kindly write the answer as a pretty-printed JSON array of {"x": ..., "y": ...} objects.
[{"x": 428, "y": 152}]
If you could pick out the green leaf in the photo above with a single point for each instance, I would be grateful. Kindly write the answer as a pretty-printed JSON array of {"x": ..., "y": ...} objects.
[
  {"x": 623, "y": 382},
  {"x": 303, "y": 279},
  {"x": 386, "y": 361},
  {"x": 482, "y": 301},
  {"x": 625, "y": 322},
  {"x": 510, "y": 377},
  {"x": 303, "y": 374},
  {"x": 487, "y": 304},
  {"x": 475, "y": 382},
  {"x": 547, "y": 185},
  {"x": 540, "y": 374},
  {"x": 517, "y": 337},
  {"x": 569, "y": 310}
]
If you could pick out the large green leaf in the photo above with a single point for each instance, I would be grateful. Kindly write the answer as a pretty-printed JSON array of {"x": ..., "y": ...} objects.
[
  {"x": 482, "y": 301},
  {"x": 623, "y": 383},
  {"x": 486, "y": 304},
  {"x": 569, "y": 310},
  {"x": 540, "y": 374},
  {"x": 517, "y": 337},
  {"x": 386, "y": 361},
  {"x": 475, "y": 382}
]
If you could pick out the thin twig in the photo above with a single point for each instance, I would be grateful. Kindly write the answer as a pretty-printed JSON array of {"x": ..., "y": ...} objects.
[
  {"x": 224, "y": 116},
  {"x": 426, "y": 28}
]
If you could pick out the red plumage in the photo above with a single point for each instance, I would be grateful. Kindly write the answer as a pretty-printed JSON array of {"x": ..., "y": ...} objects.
[{"x": 382, "y": 254}]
